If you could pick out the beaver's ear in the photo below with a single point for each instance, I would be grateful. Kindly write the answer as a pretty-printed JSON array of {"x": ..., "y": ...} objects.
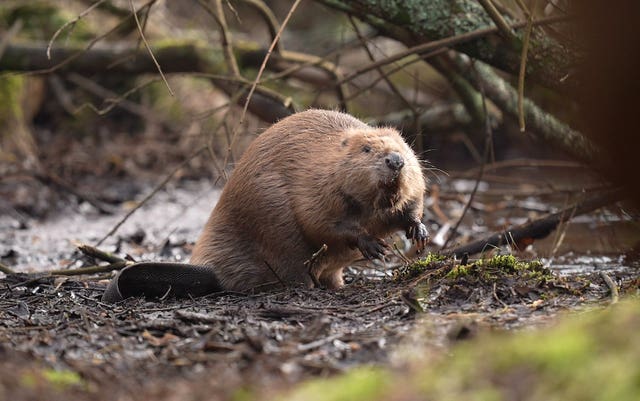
[{"x": 345, "y": 142}]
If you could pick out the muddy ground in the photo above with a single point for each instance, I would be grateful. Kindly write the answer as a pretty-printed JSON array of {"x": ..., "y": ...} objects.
[
  {"x": 216, "y": 346},
  {"x": 59, "y": 341}
]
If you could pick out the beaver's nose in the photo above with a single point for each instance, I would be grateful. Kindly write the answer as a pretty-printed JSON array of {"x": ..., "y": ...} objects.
[{"x": 394, "y": 161}]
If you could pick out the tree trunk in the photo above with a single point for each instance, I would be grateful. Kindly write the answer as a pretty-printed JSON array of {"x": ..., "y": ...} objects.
[{"x": 417, "y": 21}]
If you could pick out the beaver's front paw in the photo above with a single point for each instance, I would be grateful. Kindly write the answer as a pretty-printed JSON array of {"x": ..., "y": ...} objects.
[
  {"x": 372, "y": 247},
  {"x": 418, "y": 233}
]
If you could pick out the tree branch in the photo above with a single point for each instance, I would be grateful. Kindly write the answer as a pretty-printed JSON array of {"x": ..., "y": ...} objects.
[{"x": 121, "y": 60}]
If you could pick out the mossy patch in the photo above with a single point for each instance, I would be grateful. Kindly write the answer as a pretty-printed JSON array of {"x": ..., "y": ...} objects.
[
  {"x": 500, "y": 280},
  {"x": 420, "y": 266},
  {"x": 361, "y": 384},
  {"x": 58, "y": 380}
]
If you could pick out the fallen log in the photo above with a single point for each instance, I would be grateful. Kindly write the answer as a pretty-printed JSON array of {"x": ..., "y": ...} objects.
[{"x": 537, "y": 229}]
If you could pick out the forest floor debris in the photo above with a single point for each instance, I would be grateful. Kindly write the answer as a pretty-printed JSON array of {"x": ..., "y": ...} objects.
[{"x": 58, "y": 336}]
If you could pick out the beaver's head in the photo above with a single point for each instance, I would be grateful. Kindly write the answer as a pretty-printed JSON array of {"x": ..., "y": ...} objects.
[{"x": 381, "y": 165}]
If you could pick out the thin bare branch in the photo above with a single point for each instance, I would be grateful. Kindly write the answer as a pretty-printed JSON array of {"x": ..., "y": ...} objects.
[
  {"x": 6, "y": 269},
  {"x": 382, "y": 74},
  {"x": 70, "y": 23},
  {"x": 146, "y": 44},
  {"x": 523, "y": 65},
  {"x": 330, "y": 68},
  {"x": 272, "y": 22},
  {"x": 70, "y": 58},
  {"x": 257, "y": 79},
  {"x": 613, "y": 288},
  {"x": 487, "y": 149},
  {"x": 505, "y": 29},
  {"x": 225, "y": 35}
]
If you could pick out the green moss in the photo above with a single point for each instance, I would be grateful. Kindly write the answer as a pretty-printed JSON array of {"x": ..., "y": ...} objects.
[
  {"x": 501, "y": 265},
  {"x": 483, "y": 269},
  {"x": 58, "y": 380},
  {"x": 419, "y": 266},
  {"x": 62, "y": 379},
  {"x": 11, "y": 92},
  {"x": 588, "y": 357},
  {"x": 360, "y": 384},
  {"x": 461, "y": 270}
]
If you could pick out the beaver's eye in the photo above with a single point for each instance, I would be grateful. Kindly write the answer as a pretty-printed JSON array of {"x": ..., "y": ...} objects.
[{"x": 366, "y": 148}]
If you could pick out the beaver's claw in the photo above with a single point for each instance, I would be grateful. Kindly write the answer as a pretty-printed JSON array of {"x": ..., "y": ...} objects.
[
  {"x": 372, "y": 247},
  {"x": 419, "y": 235}
]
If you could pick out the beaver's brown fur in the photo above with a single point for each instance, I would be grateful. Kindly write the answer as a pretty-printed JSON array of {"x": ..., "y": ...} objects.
[{"x": 316, "y": 177}]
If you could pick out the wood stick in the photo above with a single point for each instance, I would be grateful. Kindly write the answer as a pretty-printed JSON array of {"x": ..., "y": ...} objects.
[
  {"x": 6, "y": 269},
  {"x": 615, "y": 295},
  {"x": 98, "y": 254},
  {"x": 90, "y": 269}
]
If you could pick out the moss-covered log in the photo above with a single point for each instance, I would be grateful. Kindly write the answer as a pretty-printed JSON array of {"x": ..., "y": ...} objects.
[
  {"x": 173, "y": 58},
  {"x": 418, "y": 21},
  {"x": 544, "y": 125}
]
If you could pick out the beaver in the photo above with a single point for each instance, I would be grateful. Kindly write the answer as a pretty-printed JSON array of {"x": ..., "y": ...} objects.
[{"x": 316, "y": 179}]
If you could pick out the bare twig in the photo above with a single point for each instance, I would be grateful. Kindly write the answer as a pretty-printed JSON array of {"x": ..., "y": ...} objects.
[
  {"x": 146, "y": 44},
  {"x": 91, "y": 43},
  {"x": 318, "y": 343},
  {"x": 90, "y": 269},
  {"x": 524, "y": 163},
  {"x": 6, "y": 269},
  {"x": 257, "y": 79},
  {"x": 496, "y": 297},
  {"x": 69, "y": 23},
  {"x": 398, "y": 66},
  {"x": 382, "y": 74},
  {"x": 313, "y": 62},
  {"x": 615, "y": 295},
  {"x": 225, "y": 35},
  {"x": 312, "y": 263},
  {"x": 523, "y": 64},
  {"x": 487, "y": 148},
  {"x": 330, "y": 68},
  {"x": 99, "y": 254},
  {"x": 502, "y": 25},
  {"x": 269, "y": 18},
  {"x": 113, "y": 99}
]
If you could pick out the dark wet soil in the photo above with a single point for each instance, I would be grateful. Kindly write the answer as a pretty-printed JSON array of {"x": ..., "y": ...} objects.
[{"x": 140, "y": 349}]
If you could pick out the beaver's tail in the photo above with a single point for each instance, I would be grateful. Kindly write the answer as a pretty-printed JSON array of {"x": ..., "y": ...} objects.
[{"x": 160, "y": 279}]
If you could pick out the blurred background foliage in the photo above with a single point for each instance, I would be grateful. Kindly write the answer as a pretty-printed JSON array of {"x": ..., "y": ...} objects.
[{"x": 95, "y": 107}]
